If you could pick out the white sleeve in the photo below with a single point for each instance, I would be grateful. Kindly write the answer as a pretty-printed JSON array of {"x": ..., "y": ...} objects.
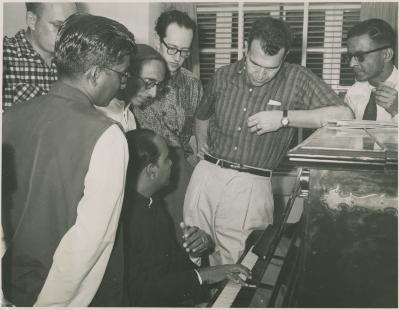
[{"x": 80, "y": 259}]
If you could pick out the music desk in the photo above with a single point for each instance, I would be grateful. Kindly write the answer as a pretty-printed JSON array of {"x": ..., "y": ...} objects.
[{"x": 349, "y": 237}]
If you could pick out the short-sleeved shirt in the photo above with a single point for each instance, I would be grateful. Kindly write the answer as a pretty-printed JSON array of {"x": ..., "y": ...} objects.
[
  {"x": 25, "y": 74},
  {"x": 229, "y": 100},
  {"x": 172, "y": 115}
]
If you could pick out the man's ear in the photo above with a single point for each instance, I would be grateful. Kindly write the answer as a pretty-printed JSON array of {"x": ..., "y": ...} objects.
[
  {"x": 152, "y": 171},
  {"x": 93, "y": 75},
  {"x": 31, "y": 19},
  {"x": 157, "y": 41},
  {"x": 388, "y": 54}
]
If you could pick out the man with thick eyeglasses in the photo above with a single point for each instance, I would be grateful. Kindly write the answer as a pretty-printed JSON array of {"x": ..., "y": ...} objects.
[
  {"x": 139, "y": 84},
  {"x": 28, "y": 66},
  {"x": 172, "y": 114},
  {"x": 65, "y": 166},
  {"x": 370, "y": 53},
  {"x": 244, "y": 126}
]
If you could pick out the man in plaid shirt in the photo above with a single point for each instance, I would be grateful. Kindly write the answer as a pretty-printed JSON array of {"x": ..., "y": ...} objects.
[{"x": 28, "y": 70}]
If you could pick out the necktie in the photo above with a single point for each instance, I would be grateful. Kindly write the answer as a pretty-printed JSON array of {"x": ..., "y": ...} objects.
[{"x": 370, "y": 109}]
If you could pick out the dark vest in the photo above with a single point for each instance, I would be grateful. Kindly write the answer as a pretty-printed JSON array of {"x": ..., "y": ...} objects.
[{"x": 47, "y": 146}]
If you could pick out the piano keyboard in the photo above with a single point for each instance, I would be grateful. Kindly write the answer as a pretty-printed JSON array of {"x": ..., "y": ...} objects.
[{"x": 231, "y": 289}]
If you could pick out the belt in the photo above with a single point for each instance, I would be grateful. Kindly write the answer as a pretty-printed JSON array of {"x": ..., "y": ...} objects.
[{"x": 239, "y": 167}]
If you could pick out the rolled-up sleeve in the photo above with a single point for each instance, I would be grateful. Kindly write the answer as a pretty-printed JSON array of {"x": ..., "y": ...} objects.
[{"x": 80, "y": 259}]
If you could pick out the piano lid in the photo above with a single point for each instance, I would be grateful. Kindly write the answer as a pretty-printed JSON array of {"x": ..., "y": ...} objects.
[{"x": 371, "y": 148}]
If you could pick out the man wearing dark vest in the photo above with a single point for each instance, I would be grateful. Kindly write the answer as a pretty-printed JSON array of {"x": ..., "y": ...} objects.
[
  {"x": 64, "y": 166},
  {"x": 371, "y": 46}
]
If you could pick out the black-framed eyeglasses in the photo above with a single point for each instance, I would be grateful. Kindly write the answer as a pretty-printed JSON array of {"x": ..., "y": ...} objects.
[
  {"x": 122, "y": 75},
  {"x": 360, "y": 56},
  {"x": 148, "y": 83},
  {"x": 185, "y": 53}
]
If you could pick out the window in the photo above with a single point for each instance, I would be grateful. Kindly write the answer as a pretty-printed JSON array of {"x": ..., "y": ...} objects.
[{"x": 319, "y": 31}]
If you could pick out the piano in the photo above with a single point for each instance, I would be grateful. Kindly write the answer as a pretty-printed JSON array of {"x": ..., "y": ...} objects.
[
  {"x": 343, "y": 252},
  {"x": 271, "y": 255}
]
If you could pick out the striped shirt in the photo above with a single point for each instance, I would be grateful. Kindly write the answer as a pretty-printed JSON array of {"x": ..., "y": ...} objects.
[
  {"x": 25, "y": 73},
  {"x": 229, "y": 100}
]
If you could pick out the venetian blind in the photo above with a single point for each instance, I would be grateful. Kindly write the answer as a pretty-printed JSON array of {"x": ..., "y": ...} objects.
[{"x": 319, "y": 35}]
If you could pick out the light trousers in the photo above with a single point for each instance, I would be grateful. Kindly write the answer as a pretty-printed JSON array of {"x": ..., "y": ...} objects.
[{"x": 228, "y": 205}]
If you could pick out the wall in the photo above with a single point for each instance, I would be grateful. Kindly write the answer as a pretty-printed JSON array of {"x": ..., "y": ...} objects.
[{"x": 135, "y": 16}]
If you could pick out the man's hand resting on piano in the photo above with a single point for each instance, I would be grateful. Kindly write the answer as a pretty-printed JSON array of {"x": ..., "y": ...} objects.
[
  {"x": 236, "y": 273},
  {"x": 196, "y": 241}
]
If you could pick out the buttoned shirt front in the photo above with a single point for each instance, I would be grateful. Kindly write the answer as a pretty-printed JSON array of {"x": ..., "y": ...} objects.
[
  {"x": 25, "y": 73},
  {"x": 230, "y": 99},
  {"x": 358, "y": 95}
]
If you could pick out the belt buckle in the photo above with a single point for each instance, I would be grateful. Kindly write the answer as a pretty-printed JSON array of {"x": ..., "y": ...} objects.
[{"x": 236, "y": 166}]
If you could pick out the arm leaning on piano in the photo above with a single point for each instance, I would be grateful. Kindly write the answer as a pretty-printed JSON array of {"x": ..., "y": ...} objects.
[{"x": 267, "y": 121}]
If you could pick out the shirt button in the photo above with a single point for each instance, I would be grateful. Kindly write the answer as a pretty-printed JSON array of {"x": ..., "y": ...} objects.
[
  {"x": 239, "y": 128},
  {"x": 251, "y": 89},
  {"x": 235, "y": 148},
  {"x": 245, "y": 109}
]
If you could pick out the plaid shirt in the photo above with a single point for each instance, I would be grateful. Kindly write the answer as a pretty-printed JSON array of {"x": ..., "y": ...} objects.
[{"x": 25, "y": 74}]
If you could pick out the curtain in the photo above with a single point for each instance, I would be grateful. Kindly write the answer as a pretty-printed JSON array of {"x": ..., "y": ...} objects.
[
  {"x": 193, "y": 62},
  {"x": 383, "y": 10}
]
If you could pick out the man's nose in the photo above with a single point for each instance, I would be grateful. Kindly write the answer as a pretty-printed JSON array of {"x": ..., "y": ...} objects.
[
  {"x": 177, "y": 56},
  {"x": 353, "y": 61},
  {"x": 152, "y": 92}
]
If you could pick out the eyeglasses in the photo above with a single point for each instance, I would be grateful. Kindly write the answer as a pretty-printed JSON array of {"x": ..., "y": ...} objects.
[
  {"x": 148, "y": 83},
  {"x": 360, "y": 56},
  {"x": 122, "y": 75},
  {"x": 185, "y": 53}
]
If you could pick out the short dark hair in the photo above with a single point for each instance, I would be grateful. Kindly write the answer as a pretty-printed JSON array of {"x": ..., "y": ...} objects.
[
  {"x": 167, "y": 18},
  {"x": 142, "y": 151},
  {"x": 378, "y": 30},
  {"x": 35, "y": 7},
  {"x": 273, "y": 34},
  {"x": 145, "y": 53},
  {"x": 85, "y": 40}
]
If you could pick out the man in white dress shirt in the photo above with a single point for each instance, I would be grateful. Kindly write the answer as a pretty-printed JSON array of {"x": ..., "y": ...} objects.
[{"x": 371, "y": 51}]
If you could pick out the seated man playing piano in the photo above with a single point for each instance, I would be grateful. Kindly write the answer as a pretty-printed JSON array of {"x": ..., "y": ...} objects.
[{"x": 158, "y": 272}]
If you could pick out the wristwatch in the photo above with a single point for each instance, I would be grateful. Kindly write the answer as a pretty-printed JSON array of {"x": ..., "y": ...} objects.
[{"x": 285, "y": 120}]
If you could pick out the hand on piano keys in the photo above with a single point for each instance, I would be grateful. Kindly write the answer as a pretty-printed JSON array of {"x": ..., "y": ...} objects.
[{"x": 236, "y": 273}]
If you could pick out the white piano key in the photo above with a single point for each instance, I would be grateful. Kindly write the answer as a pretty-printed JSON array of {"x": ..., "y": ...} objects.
[{"x": 231, "y": 289}]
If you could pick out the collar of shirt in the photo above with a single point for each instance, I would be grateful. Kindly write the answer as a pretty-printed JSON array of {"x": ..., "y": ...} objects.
[
  {"x": 391, "y": 81},
  {"x": 142, "y": 200},
  {"x": 177, "y": 79},
  {"x": 25, "y": 48}
]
